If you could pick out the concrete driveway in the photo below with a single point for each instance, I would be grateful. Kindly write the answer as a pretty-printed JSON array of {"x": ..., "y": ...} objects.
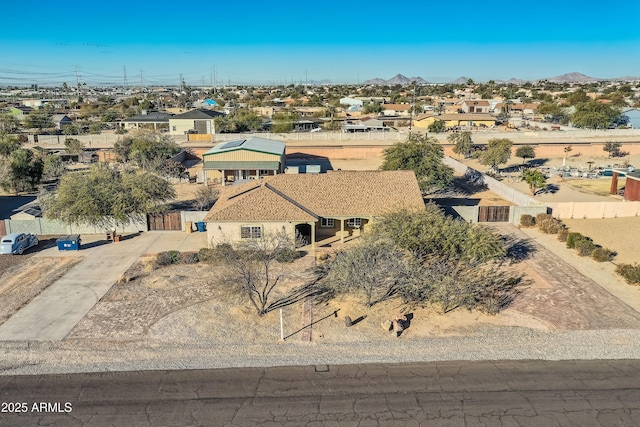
[{"x": 53, "y": 313}]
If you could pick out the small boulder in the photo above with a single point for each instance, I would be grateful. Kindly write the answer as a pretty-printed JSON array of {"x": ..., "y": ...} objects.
[{"x": 387, "y": 325}]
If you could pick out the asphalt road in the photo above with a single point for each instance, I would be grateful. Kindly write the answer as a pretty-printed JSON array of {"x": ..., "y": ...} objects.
[{"x": 522, "y": 393}]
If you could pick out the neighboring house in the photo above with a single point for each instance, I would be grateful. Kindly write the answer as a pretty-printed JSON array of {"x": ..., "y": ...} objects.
[
  {"x": 351, "y": 102},
  {"x": 60, "y": 120},
  {"x": 396, "y": 109},
  {"x": 521, "y": 109},
  {"x": 195, "y": 122},
  {"x": 19, "y": 112},
  {"x": 37, "y": 103},
  {"x": 634, "y": 117},
  {"x": 152, "y": 120},
  {"x": 296, "y": 126},
  {"x": 320, "y": 207},
  {"x": 365, "y": 124},
  {"x": 243, "y": 159},
  {"x": 455, "y": 120},
  {"x": 475, "y": 106}
]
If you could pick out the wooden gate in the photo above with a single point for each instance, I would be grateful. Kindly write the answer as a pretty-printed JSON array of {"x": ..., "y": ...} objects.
[
  {"x": 493, "y": 214},
  {"x": 166, "y": 221},
  {"x": 3, "y": 229}
]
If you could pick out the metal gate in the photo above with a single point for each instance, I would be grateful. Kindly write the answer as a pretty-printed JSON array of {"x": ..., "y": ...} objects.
[
  {"x": 166, "y": 221},
  {"x": 493, "y": 214}
]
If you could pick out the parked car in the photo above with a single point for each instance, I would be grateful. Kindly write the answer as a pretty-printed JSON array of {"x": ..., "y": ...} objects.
[{"x": 17, "y": 243}]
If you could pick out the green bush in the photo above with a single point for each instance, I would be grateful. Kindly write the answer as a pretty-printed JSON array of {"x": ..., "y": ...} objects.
[
  {"x": 562, "y": 234},
  {"x": 573, "y": 238},
  {"x": 585, "y": 247},
  {"x": 527, "y": 220},
  {"x": 167, "y": 258},
  {"x": 630, "y": 273},
  {"x": 602, "y": 254},
  {"x": 550, "y": 225},
  {"x": 189, "y": 257}
]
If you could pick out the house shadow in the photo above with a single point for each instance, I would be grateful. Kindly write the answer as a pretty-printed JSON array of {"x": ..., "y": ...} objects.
[{"x": 303, "y": 160}]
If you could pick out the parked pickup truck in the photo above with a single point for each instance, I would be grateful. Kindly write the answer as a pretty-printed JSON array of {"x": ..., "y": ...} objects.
[{"x": 17, "y": 243}]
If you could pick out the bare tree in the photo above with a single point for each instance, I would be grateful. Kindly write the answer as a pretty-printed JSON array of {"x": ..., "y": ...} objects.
[
  {"x": 205, "y": 197},
  {"x": 375, "y": 270},
  {"x": 252, "y": 267}
]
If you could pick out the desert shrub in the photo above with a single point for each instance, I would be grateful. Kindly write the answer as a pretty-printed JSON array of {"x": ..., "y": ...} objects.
[
  {"x": 585, "y": 247},
  {"x": 189, "y": 257},
  {"x": 602, "y": 254},
  {"x": 543, "y": 217},
  {"x": 167, "y": 258},
  {"x": 205, "y": 255},
  {"x": 287, "y": 255},
  {"x": 562, "y": 234},
  {"x": 527, "y": 220},
  {"x": 550, "y": 225},
  {"x": 573, "y": 238},
  {"x": 630, "y": 273}
]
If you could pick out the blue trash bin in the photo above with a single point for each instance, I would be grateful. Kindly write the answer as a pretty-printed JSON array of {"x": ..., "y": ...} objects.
[
  {"x": 201, "y": 226},
  {"x": 68, "y": 243}
]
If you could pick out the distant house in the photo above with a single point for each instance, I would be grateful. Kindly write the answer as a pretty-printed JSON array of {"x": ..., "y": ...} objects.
[
  {"x": 320, "y": 207},
  {"x": 634, "y": 117},
  {"x": 244, "y": 159},
  {"x": 151, "y": 120},
  {"x": 351, "y": 102},
  {"x": 463, "y": 121},
  {"x": 365, "y": 124},
  {"x": 396, "y": 109},
  {"x": 195, "y": 122},
  {"x": 522, "y": 109},
  {"x": 60, "y": 120},
  {"x": 475, "y": 106},
  {"x": 19, "y": 112}
]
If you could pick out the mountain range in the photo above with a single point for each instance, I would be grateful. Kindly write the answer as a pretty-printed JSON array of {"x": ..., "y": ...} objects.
[{"x": 573, "y": 77}]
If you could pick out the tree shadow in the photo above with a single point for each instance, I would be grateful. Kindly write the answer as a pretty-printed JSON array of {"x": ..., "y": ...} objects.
[
  {"x": 93, "y": 244},
  {"x": 319, "y": 293},
  {"x": 518, "y": 249},
  {"x": 406, "y": 324},
  {"x": 549, "y": 189}
]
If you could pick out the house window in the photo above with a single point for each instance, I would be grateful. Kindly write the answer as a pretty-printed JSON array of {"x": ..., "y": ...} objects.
[
  {"x": 354, "y": 222},
  {"x": 250, "y": 232},
  {"x": 174, "y": 128},
  {"x": 326, "y": 222}
]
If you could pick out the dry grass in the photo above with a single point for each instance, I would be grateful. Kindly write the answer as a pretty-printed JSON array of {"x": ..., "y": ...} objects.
[
  {"x": 599, "y": 186},
  {"x": 21, "y": 283},
  {"x": 618, "y": 234}
]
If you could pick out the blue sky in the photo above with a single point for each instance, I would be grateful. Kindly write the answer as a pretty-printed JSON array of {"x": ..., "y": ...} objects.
[{"x": 345, "y": 42}]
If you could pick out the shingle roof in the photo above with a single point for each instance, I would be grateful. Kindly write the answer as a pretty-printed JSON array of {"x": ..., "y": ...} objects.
[
  {"x": 305, "y": 197},
  {"x": 150, "y": 117},
  {"x": 199, "y": 113}
]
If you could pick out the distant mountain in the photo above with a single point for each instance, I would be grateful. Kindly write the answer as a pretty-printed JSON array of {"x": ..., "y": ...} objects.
[
  {"x": 460, "y": 80},
  {"x": 515, "y": 81},
  {"x": 572, "y": 78},
  {"x": 398, "y": 79},
  {"x": 626, "y": 79}
]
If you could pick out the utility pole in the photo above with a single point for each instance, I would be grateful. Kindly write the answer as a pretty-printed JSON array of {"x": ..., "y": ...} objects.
[
  {"x": 77, "y": 81},
  {"x": 411, "y": 107},
  {"x": 141, "y": 82},
  {"x": 125, "y": 76}
]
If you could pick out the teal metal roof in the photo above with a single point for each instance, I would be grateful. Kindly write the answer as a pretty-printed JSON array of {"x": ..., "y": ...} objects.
[
  {"x": 231, "y": 165},
  {"x": 261, "y": 145}
]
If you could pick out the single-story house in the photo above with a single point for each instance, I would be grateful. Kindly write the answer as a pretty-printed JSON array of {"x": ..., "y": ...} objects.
[
  {"x": 60, "y": 120},
  {"x": 475, "y": 106},
  {"x": 365, "y": 124},
  {"x": 152, "y": 120},
  {"x": 455, "y": 120},
  {"x": 320, "y": 207},
  {"x": 19, "y": 111},
  {"x": 634, "y": 117},
  {"x": 242, "y": 159},
  {"x": 195, "y": 122},
  {"x": 396, "y": 109}
]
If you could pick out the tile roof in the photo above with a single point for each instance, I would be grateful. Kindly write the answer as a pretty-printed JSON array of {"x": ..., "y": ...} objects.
[{"x": 305, "y": 197}]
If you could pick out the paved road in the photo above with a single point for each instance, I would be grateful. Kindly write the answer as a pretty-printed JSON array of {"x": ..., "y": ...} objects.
[
  {"x": 52, "y": 314},
  {"x": 525, "y": 393}
]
